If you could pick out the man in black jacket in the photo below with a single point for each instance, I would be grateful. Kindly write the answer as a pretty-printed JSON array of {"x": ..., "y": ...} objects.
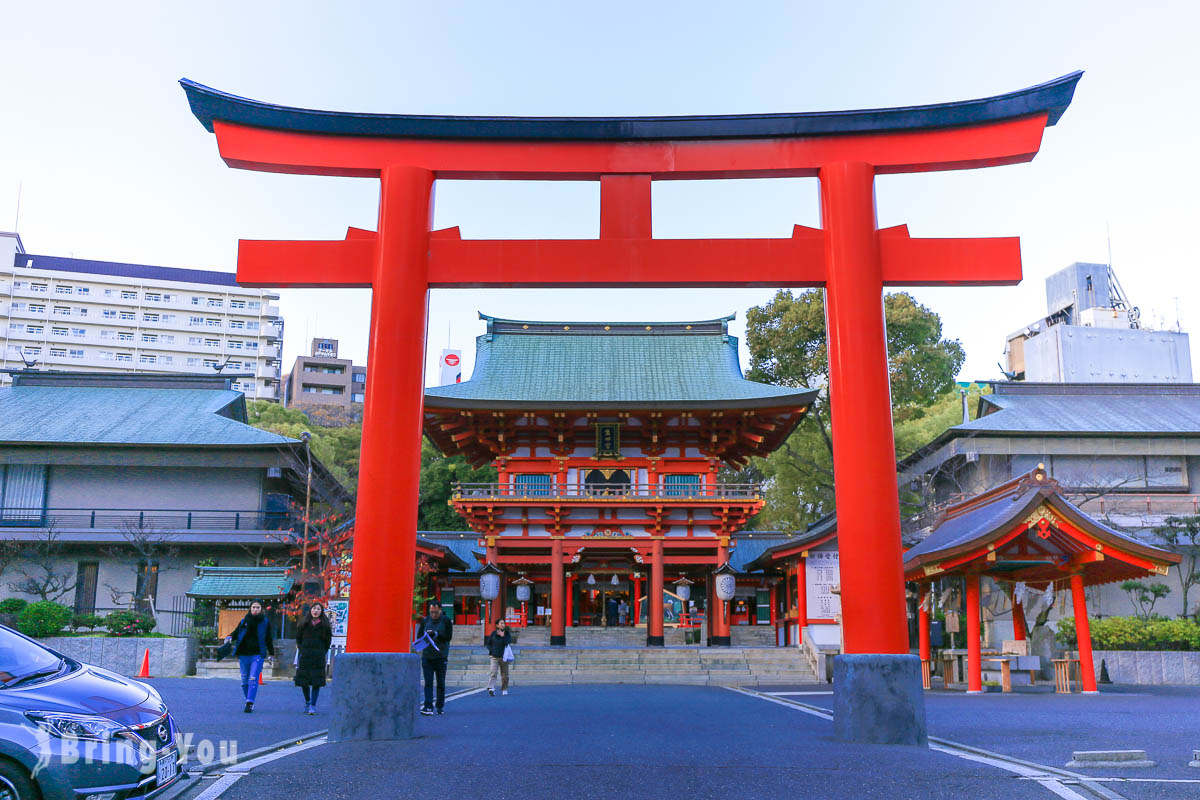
[{"x": 438, "y": 630}]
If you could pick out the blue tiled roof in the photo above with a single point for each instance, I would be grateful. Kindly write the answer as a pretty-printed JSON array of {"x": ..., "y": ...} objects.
[
  {"x": 132, "y": 416},
  {"x": 117, "y": 269},
  {"x": 619, "y": 364},
  {"x": 1151, "y": 413},
  {"x": 239, "y": 583}
]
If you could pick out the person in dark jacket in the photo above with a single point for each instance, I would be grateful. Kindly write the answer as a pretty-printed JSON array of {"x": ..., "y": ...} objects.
[
  {"x": 439, "y": 629},
  {"x": 496, "y": 642},
  {"x": 252, "y": 643},
  {"x": 313, "y": 638}
]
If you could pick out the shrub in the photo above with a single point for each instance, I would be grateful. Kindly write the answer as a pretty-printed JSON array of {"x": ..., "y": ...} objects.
[
  {"x": 1131, "y": 633},
  {"x": 12, "y": 605},
  {"x": 89, "y": 621},
  {"x": 43, "y": 618},
  {"x": 129, "y": 623},
  {"x": 201, "y": 632}
]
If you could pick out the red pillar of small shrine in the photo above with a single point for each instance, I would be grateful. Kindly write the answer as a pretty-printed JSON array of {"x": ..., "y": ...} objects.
[
  {"x": 864, "y": 453},
  {"x": 1018, "y": 616},
  {"x": 801, "y": 598},
  {"x": 570, "y": 615},
  {"x": 974, "y": 660},
  {"x": 390, "y": 462},
  {"x": 636, "y": 613},
  {"x": 558, "y": 633},
  {"x": 923, "y": 638},
  {"x": 654, "y": 626},
  {"x": 1083, "y": 635}
]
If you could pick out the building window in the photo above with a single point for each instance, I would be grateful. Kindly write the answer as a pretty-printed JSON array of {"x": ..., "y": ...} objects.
[
  {"x": 215, "y": 302},
  {"x": 358, "y": 397},
  {"x": 108, "y": 313},
  {"x": 147, "y": 581},
  {"x": 16, "y": 327},
  {"x": 37, "y": 308},
  {"x": 527, "y": 485},
  {"x": 193, "y": 362},
  {"x": 18, "y": 284},
  {"x": 196, "y": 340},
  {"x": 149, "y": 337},
  {"x": 166, "y": 359},
  {"x": 359, "y": 377},
  {"x": 106, "y": 355},
  {"x": 212, "y": 342},
  {"x": 76, "y": 353},
  {"x": 124, "y": 336},
  {"x": 195, "y": 301},
  {"x": 169, "y": 298},
  {"x": 58, "y": 352},
  {"x": 147, "y": 359},
  {"x": 37, "y": 330},
  {"x": 167, "y": 338},
  {"x": 81, "y": 312},
  {"x": 212, "y": 323},
  {"x": 307, "y": 389},
  {"x": 237, "y": 303},
  {"x": 252, "y": 326},
  {"x": 233, "y": 364},
  {"x": 23, "y": 493},
  {"x": 210, "y": 362},
  {"x": 129, "y": 315},
  {"x": 85, "y": 587},
  {"x": 40, "y": 288},
  {"x": 234, "y": 344},
  {"x": 153, "y": 297},
  {"x": 82, "y": 290},
  {"x": 251, "y": 345},
  {"x": 79, "y": 333},
  {"x": 680, "y": 485},
  {"x": 58, "y": 331},
  {"x": 127, "y": 295},
  {"x": 62, "y": 290},
  {"x": 125, "y": 357},
  {"x": 168, "y": 318},
  {"x": 33, "y": 351},
  {"x": 108, "y": 292},
  {"x": 18, "y": 306},
  {"x": 195, "y": 322},
  {"x": 62, "y": 311},
  {"x": 149, "y": 317},
  {"x": 237, "y": 323}
]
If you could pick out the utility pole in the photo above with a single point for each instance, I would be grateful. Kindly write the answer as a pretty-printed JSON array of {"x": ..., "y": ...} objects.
[{"x": 305, "y": 437}]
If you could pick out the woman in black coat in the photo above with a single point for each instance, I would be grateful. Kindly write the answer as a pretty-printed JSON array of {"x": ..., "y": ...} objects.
[{"x": 313, "y": 638}]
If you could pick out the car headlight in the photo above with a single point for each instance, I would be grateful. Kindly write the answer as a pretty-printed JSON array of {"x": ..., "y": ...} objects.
[{"x": 75, "y": 726}]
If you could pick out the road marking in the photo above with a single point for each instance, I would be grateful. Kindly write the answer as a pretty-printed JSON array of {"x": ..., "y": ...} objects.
[
  {"x": 246, "y": 766},
  {"x": 467, "y": 693},
  {"x": 1052, "y": 778},
  {"x": 219, "y": 786}
]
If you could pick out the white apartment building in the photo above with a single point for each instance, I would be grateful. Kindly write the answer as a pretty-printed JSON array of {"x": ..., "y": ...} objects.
[{"x": 99, "y": 316}]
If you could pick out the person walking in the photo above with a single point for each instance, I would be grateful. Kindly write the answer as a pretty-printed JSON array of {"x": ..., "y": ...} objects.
[
  {"x": 622, "y": 613},
  {"x": 252, "y": 644},
  {"x": 437, "y": 630},
  {"x": 496, "y": 643},
  {"x": 313, "y": 638}
]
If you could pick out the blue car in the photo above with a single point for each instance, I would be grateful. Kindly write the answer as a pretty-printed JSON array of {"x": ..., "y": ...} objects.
[{"x": 71, "y": 731}]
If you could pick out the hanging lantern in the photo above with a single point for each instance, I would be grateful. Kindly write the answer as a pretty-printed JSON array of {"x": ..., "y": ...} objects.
[
  {"x": 524, "y": 592},
  {"x": 683, "y": 588},
  {"x": 591, "y": 580},
  {"x": 614, "y": 580},
  {"x": 489, "y": 582},
  {"x": 725, "y": 579}
]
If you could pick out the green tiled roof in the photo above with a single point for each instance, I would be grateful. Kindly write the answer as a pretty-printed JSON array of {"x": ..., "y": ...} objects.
[
  {"x": 129, "y": 416},
  {"x": 240, "y": 583},
  {"x": 616, "y": 364}
]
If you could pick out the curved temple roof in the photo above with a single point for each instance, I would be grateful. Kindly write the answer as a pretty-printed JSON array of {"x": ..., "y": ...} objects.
[
  {"x": 594, "y": 365},
  {"x": 1050, "y": 98}
]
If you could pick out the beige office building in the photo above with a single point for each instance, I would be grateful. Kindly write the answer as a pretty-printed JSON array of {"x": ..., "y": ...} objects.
[
  {"x": 98, "y": 316},
  {"x": 323, "y": 379}
]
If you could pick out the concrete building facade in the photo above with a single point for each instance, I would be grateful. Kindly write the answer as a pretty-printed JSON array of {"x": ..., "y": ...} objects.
[
  {"x": 97, "y": 316},
  {"x": 323, "y": 379}
]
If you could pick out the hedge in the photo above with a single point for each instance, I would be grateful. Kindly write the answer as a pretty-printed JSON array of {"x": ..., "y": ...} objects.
[
  {"x": 129, "y": 623},
  {"x": 1131, "y": 633},
  {"x": 43, "y": 618}
]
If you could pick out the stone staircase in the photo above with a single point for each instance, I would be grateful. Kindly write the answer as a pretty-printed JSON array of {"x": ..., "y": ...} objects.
[{"x": 713, "y": 666}]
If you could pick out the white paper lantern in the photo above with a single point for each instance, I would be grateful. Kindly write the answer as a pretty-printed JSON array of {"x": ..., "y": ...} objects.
[
  {"x": 591, "y": 580},
  {"x": 523, "y": 593},
  {"x": 726, "y": 585},
  {"x": 489, "y": 585},
  {"x": 684, "y": 591},
  {"x": 614, "y": 581}
]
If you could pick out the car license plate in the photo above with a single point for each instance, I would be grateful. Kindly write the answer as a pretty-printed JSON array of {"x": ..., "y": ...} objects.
[{"x": 168, "y": 766}]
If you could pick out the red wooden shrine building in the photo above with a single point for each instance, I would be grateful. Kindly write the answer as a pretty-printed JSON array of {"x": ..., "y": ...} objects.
[
  {"x": 1025, "y": 531},
  {"x": 608, "y": 440}
]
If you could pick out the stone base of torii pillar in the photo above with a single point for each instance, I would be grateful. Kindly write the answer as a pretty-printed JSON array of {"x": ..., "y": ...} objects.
[{"x": 878, "y": 699}]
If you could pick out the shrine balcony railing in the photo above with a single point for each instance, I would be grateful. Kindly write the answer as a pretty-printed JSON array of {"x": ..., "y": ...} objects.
[{"x": 745, "y": 492}]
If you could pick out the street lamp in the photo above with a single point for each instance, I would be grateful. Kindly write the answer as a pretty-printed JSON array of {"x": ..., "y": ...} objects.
[
  {"x": 305, "y": 436},
  {"x": 523, "y": 594},
  {"x": 725, "y": 583}
]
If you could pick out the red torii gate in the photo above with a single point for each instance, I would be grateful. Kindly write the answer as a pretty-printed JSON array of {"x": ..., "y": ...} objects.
[{"x": 848, "y": 256}]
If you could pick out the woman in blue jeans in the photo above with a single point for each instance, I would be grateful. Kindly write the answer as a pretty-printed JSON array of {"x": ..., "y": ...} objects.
[{"x": 252, "y": 643}]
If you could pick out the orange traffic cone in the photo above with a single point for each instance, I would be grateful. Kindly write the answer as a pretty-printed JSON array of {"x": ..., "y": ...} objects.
[
  {"x": 144, "y": 672},
  {"x": 260, "y": 680}
]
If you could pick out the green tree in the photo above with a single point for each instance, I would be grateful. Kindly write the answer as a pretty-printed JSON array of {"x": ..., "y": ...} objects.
[
  {"x": 787, "y": 342},
  {"x": 1144, "y": 596},
  {"x": 1182, "y": 534},
  {"x": 337, "y": 446},
  {"x": 439, "y": 473}
]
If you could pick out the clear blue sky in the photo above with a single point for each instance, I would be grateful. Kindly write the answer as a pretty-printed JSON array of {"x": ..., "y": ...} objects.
[{"x": 113, "y": 166}]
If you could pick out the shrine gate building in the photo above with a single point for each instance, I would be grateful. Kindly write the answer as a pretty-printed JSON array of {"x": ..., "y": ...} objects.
[{"x": 609, "y": 440}]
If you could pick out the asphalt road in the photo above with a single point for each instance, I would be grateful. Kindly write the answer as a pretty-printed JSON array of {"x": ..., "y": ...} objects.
[{"x": 625, "y": 742}]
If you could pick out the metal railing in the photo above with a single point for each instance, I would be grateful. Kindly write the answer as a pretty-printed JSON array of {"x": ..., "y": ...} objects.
[
  {"x": 119, "y": 519},
  {"x": 577, "y": 491}
]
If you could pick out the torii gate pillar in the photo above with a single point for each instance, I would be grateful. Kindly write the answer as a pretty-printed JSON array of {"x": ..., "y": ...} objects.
[{"x": 877, "y": 682}]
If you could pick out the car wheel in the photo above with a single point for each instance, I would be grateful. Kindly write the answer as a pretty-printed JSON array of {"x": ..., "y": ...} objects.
[{"x": 15, "y": 783}]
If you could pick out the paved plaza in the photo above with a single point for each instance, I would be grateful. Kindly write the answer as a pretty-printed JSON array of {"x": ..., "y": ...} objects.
[{"x": 606, "y": 741}]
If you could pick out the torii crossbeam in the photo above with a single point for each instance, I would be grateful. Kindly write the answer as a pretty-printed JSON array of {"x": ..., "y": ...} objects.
[{"x": 849, "y": 256}]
